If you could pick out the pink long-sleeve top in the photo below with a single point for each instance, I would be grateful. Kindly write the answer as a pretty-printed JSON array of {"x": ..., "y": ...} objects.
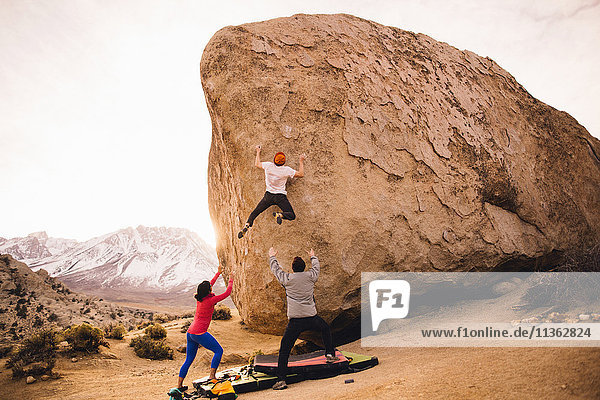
[{"x": 205, "y": 308}]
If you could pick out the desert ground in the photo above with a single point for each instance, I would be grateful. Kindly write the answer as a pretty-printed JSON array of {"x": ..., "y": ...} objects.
[{"x": 403, "y": 373}]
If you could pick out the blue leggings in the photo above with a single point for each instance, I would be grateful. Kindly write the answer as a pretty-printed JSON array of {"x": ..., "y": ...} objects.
[{"x": 205, "y": 340}]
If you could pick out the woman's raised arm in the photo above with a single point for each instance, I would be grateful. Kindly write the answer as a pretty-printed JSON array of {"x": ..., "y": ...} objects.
[{"x": 227, "y": 291}]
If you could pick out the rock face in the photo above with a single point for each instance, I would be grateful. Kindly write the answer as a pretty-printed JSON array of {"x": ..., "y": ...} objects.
[{"x": 421, "y": 157}]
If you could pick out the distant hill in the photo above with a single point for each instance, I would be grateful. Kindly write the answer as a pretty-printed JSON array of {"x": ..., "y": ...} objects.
[
  {"x": 30, "y": 301},
  {"x": 142, "y": 265}
]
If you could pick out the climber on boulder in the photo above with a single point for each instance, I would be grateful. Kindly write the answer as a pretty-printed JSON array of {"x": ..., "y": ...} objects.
[{"x": 276, "y": 176}]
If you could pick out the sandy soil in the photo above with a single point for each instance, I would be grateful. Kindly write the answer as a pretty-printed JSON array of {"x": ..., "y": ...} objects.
[{"x": 403, "y": 373}]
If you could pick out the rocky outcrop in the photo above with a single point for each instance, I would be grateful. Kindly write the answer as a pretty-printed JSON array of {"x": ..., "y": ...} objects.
[
  {"x": 421, "y": 157},
  {"x": 32, "y": 301}
]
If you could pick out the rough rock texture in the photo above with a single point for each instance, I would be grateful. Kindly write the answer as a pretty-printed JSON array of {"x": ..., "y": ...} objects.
[{"x": 421, "y": 157}]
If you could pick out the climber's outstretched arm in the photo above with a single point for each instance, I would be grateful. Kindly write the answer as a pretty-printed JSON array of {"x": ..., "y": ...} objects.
[
  {"x": 300, "y": 172},
  {"x": 257, "y": 162}
]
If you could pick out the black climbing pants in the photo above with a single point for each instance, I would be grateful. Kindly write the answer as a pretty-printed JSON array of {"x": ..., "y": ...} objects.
[
  {"x": 294, "y": 328},
  {"x": 270, "y": 199}
]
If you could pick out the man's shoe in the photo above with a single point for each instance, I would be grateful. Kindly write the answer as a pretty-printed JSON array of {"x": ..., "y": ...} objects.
[
  {"x": 329, "y": 358},
  {"x": 279, "y": 385},
  {"x": 243, "y": 231},
  {"x": 279, "y": 217}
]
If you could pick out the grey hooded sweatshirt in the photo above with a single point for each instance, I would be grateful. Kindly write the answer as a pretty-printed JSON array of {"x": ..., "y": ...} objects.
[{"x": 299, "y": 288}]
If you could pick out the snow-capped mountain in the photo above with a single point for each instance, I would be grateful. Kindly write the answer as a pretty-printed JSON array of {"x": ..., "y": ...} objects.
[
  {"x": 125, "y": 264},
  {"x": 34, "y": 246}
]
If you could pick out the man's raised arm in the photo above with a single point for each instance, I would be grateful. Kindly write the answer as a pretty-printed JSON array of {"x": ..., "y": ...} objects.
[
  {"x": 257, "y": 162},
  {"x": 316, "y": 266},
  {"x": 280, "y": 274},
  {"x": 300, "y": 172}
]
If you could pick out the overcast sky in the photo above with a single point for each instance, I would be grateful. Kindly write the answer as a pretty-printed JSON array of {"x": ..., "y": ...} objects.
[{"x": 103, "y": 123}]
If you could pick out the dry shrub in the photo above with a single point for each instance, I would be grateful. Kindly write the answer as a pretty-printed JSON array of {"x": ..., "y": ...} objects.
[
  {"x": 146, "y": 347},
  {"x": 572, "y": 281},
  {"x": 156, "y": 331},
  {"x": 253, "y": 356},
  {"x": 5, "y": 350},
  {"x": 115, "y": 331},
  {"x": 5, "y": 259},
  {"x": 581, "y": 261},
  {"x": 562, "y": 290},
  {"x": 185, "y": 326},
  {"x": 85, "y": 337},
  {"x": 222, "y": 313},
  {"x": 162, "y": 318},
  {"x": 153, "y": 344},
  {"x": 144, "y": 324},
  {"x": 36, "y": 355}
]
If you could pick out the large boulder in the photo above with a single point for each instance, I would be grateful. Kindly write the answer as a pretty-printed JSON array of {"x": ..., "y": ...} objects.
[{"x": 421, "y": 157}]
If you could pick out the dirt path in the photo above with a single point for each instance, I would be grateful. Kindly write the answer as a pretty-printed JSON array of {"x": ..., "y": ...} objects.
[{"x": 403, "y": 373}]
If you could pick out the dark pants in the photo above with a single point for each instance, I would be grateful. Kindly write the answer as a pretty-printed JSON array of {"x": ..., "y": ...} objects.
[
  {"x": 270, "y": 199},
  {"x": 294, "y": 328}
]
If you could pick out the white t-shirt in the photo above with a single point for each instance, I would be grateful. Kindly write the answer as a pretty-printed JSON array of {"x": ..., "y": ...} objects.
[{"x": 276, "y": 177}]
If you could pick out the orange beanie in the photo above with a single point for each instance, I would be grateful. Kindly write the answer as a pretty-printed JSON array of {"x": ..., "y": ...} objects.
[{"x": 279, "y": 158}]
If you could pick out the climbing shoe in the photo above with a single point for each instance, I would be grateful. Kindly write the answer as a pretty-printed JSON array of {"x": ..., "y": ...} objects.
[
  {"x": 175, "y": 394},
  {"x": 330, "y": 358},
  {"x": 278, "y": 217},
  {"x": 243, "y": 231},
  {"x": 279, "y": 385}
]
